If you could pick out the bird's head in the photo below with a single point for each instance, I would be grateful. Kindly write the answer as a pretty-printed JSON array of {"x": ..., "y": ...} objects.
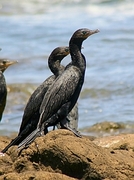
[{"x": 5, "y": 63}]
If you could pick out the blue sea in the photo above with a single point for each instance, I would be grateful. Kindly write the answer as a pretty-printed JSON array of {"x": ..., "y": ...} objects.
[{"x": 30, "y": 30}]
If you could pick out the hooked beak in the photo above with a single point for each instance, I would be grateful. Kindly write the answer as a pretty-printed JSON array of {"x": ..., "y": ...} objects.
[
  {"x": 5, "y": 64},
  {"x": 93, "y": 31},
  {"x": 9, "y": 63},
  {"x": 90, "y": 32}
]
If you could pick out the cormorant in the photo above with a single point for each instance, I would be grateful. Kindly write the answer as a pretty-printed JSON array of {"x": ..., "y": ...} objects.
[
  {"x": 64, "y": 92},
  {"x": 31, "y": 113},
  {"x": 4, "y": 64}
]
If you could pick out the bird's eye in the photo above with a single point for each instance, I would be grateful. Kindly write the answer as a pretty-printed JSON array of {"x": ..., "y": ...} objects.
[
  {"x": 67, "y": 50},
  {"x": 4, "y": 61},
  {"x": 84, "y": 32}
]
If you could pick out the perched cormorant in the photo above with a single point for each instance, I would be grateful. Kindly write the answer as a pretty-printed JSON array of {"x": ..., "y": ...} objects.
[
  {"x": 64, "y": 92},
  {"x": 31, "y": 113},
  {"x": 4, "y": 64}
]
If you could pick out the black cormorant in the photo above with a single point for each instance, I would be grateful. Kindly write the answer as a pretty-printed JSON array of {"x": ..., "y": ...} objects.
[
  {"x": 4, "y": 64},
  {"x": 31, "y": 113},
  {"x": 64, "y": 92}
]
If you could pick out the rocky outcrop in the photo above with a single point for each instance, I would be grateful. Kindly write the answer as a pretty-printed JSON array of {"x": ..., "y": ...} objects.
[{"x": 62, "y": 155}]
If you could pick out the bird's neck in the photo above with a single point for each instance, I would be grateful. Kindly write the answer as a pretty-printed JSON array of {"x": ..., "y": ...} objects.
[
  {"x": 78, "y": 58},
  {"x": 2, "y": 79},
  {"x": 55, "y": 66}
]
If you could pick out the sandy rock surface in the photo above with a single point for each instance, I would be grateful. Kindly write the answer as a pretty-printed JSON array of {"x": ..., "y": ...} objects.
[{"x": 62, "y": 155}]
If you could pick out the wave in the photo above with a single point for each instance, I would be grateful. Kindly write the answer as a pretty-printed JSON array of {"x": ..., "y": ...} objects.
[{"x": 96, "y": 7}]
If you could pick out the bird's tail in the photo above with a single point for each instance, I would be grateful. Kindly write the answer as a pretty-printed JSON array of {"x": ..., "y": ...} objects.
[
  {"x": 12, "y": 143},
  {"x": 29, "y": 139}
]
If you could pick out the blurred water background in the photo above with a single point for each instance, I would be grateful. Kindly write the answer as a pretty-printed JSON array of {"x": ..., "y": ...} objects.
[{"x": 30, "y": 30}]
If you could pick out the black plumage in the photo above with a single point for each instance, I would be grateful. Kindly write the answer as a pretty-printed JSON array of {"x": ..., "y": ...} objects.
[
  {"x": 31, "y": 113},
  {"x": 64, "y": 92},
  {"x": 4, "y": 64}
]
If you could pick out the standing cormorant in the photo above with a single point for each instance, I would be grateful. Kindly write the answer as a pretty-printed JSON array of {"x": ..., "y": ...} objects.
[
  {"x": 31, "y": 113},
  {"x": 64, "y": 92},
  {"x": 4, "y": 64}
]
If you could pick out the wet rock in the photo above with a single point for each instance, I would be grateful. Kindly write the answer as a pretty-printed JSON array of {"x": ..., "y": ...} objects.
[
  {"x": 22, "y": 92},
  {"x": 106, "y": 126},
  {"x": 109, "y": 128},
  {"x": 62, "y": 155}
]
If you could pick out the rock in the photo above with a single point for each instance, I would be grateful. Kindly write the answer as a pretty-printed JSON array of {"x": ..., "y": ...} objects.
[
  {"x": 120, "y": 142},
  {"x": 109, "y": 128},
  {"x": 41, "y": 175},
  {"x": 62, "y": 155}
]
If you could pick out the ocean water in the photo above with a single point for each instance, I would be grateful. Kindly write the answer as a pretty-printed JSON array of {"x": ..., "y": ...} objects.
[{"x": 30, "y": 30}]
